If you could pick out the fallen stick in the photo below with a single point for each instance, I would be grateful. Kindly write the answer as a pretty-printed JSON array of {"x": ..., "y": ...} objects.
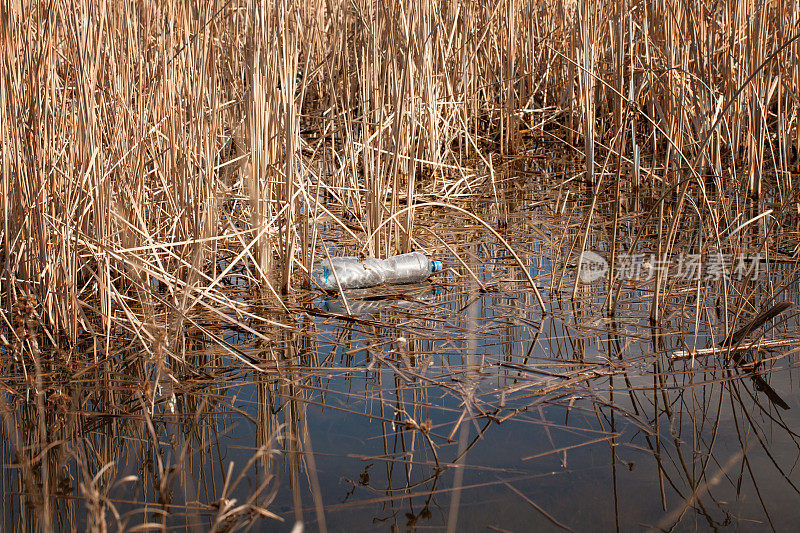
[{"x": 702, "y": 352}]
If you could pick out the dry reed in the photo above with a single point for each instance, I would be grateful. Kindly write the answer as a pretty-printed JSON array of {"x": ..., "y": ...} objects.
[{"x": 150, "y": 149}]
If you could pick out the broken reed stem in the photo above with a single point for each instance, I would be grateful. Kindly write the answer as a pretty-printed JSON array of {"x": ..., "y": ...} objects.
[{"x": 714, "y": 350}]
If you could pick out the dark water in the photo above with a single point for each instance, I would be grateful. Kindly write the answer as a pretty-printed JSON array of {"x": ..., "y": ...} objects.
[
  {"x": 432, "y": 406},
  {"x": 694, "y": 448}
]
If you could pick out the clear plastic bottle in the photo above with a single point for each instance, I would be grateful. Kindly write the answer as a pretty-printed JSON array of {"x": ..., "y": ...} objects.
[{"x": 354, "y": 274}]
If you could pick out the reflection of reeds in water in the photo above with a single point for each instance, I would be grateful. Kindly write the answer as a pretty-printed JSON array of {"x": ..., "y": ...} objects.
[{"x": 126, "y": 437}]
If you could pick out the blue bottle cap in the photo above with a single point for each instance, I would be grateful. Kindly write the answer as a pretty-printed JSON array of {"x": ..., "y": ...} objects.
[{"x": 436, "y": 266}]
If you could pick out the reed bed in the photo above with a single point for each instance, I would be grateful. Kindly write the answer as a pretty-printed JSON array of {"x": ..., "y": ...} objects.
[
  {"x": 171, "y": 172},
  {"x": 129, "y": 130}
]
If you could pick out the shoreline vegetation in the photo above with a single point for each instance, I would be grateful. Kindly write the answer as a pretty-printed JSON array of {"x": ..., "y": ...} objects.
[
  {"x": 129, "y": 127},
  {"x": 153, "y": 149}
]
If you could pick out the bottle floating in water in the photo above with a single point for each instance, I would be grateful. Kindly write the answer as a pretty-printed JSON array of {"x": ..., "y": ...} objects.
[{"x": 354, "y": 274}]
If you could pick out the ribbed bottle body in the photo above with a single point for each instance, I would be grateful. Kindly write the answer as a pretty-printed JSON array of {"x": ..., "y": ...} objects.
[{"x": 350, "y": 273}]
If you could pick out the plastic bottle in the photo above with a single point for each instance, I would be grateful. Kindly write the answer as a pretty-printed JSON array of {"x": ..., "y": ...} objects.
[{"x": 354, "y": 274}]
